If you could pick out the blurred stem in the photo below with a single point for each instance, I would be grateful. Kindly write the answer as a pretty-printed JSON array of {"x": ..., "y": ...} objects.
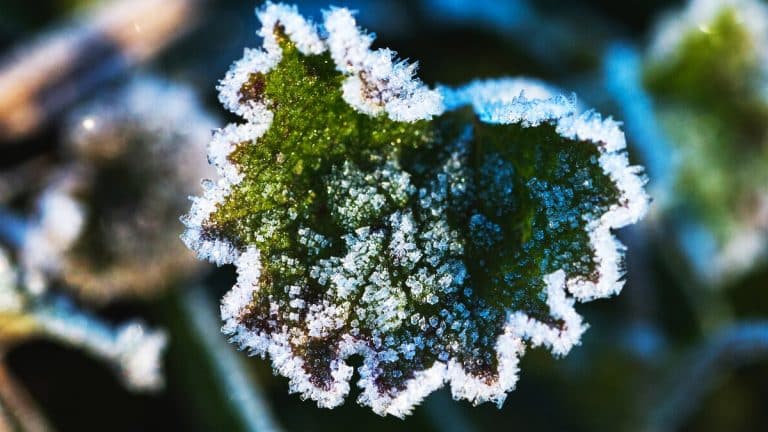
[
  {"x": 622, "y": 77},
  {"x": 643, "y": 336},
  {"x": 443, "y": 413},
  {"x": 623, "y": 80},
  {"x": 44, "y": 76},
  {"x": 241, "y": 388},
  {"x": 701, "y": 370},
  {"x": 17, "y": 407},
  {"x": 12, "y": 228}
]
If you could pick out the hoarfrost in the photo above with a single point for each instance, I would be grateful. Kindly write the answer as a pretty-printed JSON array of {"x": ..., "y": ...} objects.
[{"x": 398, "y": 270}]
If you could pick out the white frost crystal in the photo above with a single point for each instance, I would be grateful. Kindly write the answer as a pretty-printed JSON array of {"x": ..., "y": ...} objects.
[
  {"x": 375, "y": 83},
  {"x": 411, "y": 257},
  {"x": 482, "y": 93}
]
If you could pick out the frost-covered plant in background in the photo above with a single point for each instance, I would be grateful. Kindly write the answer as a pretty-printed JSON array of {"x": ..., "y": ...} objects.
[
  {"x": 105, "y": 221},
  {"x": 707, "y": 70},
  {"x": 105, "y": 227},
  {"x": 132, "y": 348},
  {"x": 436, "y": 233}
]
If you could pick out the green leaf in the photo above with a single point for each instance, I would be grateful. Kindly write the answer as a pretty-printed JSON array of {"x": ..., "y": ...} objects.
[{"x": 431, "y": 232}]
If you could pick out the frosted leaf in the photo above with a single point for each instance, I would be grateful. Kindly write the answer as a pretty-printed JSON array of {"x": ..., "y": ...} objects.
[
  {"x": 105, "y": 221},
  {"x": 482, "y": 93},
  {"x": 436, "y": 247},
  {"x": 700, "y": 16},
  {"x": 707, "y": 72}
]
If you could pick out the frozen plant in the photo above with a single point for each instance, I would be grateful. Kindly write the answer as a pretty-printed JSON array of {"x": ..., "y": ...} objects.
[
  {"x": 132, "y": 348},
  {"x": 434, "y": 233},
  {"x": 105, "y": 222},
  {"x": 707, "y": 71}
]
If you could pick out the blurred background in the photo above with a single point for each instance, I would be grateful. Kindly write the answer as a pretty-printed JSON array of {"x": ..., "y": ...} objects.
[{"x": 106, "y": 107}]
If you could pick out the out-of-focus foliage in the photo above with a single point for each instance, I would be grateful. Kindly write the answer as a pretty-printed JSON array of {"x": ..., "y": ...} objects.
[
  {"x": 707, "y": 71},
  {"x": 670, "y": 353},
  {"x": 132, "y": 349},
  {"x": 107, "y": 220}
]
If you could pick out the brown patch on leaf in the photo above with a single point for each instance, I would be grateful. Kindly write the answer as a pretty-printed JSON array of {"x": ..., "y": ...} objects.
[
  {"x": 483, "y": 369},
  {"x": 256, "y": 317},
  {"x": 253, "y": 89},
  {"x": 318, "y": 355},
  {"x": 393, "y": 377}
]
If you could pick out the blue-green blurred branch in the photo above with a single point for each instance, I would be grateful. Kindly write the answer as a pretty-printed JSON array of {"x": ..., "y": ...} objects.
[
  {"x": 12, "y": 228},
  {"x": 622, "y": 75},
  {"x": 701, "y": 370}
]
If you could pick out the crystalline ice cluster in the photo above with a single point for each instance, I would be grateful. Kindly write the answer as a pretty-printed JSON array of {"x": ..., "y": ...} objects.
[{"x": 434, "y": 234}]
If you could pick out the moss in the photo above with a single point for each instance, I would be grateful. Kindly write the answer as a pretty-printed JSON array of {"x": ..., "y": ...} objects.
[{"x": 313, "y": 130}]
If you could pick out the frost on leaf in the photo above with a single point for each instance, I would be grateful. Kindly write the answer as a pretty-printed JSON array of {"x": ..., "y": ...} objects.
[
  {"x": 708, "y": 71},
  {"x": 367, "y": 220},
  {"x": 105, "y": 221}
]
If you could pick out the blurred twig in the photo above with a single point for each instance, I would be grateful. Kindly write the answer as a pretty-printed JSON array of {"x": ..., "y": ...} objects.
[
  {"x": 40, "y": 78},
  {"x": 16, "y": 407},
  {"x": 623, "y": 80},
  {"x": 445, "y": 415},
  {"x": 13, "y": 228},
  {"x": 701, "y": 370},
  {"x": 241, "y": 387}
]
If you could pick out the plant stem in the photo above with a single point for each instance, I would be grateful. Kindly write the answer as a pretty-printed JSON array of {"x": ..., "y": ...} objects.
[
  {"x": 42, "y": 77},
  {"x": 445, "y": 415},
  {"x": 12, "y": 228},
  {"x": 16, "y": 406},
  {"x": 242, "y": 387},
  {"x": 701, "y": 370}
]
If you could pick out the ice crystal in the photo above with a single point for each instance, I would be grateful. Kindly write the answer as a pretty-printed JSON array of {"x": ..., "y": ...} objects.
[
  {"x": 434, "y": 233},
  {"x": 707, "y": 70},
  {"x": 104, "y": 223}
]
